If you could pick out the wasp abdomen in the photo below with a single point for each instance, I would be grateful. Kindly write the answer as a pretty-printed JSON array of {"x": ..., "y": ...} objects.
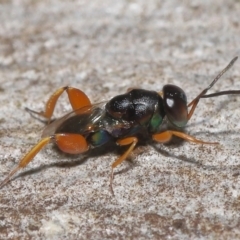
[{"x": 99, "y": 138}]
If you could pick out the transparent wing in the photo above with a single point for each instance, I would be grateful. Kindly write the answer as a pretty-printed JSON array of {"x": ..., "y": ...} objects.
[{"x": 90, "y": 114}]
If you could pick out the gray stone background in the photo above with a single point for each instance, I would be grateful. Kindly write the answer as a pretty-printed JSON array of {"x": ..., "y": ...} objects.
[{"x": 174, "y": 191}]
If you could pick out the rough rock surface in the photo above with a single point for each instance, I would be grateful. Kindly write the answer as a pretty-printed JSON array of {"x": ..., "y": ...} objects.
[{"x": 175, "y": 191}]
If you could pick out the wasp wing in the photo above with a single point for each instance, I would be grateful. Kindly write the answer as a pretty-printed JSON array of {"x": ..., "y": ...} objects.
[{"x": 89, "y": 114}]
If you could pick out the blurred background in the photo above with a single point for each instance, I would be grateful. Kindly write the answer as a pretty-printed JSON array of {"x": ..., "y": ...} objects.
[{"x": 178, "y": 191}]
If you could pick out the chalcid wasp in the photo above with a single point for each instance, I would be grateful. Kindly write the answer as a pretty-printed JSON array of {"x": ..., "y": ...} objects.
[{"x": 121, "y": 120}]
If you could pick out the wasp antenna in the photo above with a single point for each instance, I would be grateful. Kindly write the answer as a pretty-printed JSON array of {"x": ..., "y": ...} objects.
[
  {"x": 201, "y": 95},
  {"x": 229, "y": 92},
  {"x": 221, "y": 73}
]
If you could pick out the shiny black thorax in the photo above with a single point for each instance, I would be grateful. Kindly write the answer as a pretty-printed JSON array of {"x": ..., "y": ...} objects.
[{"x": 138, "y": 105}]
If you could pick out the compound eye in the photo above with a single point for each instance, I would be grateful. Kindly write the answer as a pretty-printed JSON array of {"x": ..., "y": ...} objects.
[{"x": 175, "y": 105}]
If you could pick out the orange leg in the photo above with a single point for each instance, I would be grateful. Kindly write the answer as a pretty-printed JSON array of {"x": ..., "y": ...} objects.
[
  {"x": 166, "y": 136},
  {"x": 77, "y": 98},
  {"x": 194, "y": 105},
  {"x": 123, "y": 142},
  {"x": 69, "y": 143}
]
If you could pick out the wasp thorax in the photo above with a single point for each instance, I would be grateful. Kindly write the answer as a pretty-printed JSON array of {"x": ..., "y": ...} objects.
[{"x": 137, "y": 105}]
